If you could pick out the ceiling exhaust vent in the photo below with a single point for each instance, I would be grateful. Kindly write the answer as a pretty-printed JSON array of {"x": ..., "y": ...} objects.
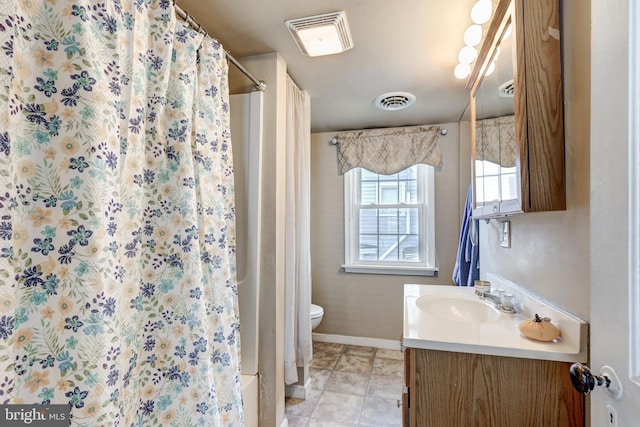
[
  {"x": 321, "y": 34},
  {"x": 506, "y": 89},
  {"x": 394, "y": 100}
]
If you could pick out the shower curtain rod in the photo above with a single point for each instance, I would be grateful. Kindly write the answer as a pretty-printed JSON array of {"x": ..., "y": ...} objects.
[{"x": 259, "y": 84}]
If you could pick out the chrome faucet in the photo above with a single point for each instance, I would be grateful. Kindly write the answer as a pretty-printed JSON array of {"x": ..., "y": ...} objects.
[{"x": 503, "y": 301}]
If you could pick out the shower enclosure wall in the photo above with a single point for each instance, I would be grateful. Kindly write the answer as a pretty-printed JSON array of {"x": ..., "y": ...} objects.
[{"x": 246, "y": 136}]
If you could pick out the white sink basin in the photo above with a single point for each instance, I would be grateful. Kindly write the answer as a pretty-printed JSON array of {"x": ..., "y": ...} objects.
[
  {"x": 458, "y": 309},
  {"x": 453, "y": 318}
]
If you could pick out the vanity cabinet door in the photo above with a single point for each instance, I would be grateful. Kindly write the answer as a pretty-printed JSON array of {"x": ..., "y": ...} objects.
[{"x": 461, "y": 389}]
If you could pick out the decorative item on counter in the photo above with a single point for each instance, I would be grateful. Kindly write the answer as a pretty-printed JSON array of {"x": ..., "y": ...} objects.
[{"x": 539, "y": 329}]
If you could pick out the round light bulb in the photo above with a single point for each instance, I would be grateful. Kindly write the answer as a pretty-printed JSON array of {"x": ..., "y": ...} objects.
[
  {"x": 491, "y": 68},
  {"x": 462, "y": 71},
  {"x": 481, "y": 11},
  {"x": 473, "y": 35},
  {"x": 467, "y": 54}
]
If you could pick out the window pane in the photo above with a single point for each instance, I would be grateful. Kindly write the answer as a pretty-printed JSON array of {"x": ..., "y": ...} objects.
[
  {"x": 366, "y": 175},
  {"x": 389, "y": 248},
  {"x": 368, "y": 248},
  {"x": 368, "y": 193},
  {"x": 409, "y": 173},
  {"x": 388, "y": 193},
  {"x": 491, "y": 188},
  {"x": 409, "y": 249},
  {"x": 368, "y": 221},
  {"x": 388, "y": 221},
  {"x": 410, "y": 192},
  {"x": 491, "y": 168},
  {"x": 408, "y": 221},
  {"x": 393, "y": 177},
  {"x": 509, "y": 182},
  {"x": 480, "y": 191}
]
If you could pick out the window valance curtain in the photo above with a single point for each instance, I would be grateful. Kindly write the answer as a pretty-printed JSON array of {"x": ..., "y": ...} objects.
[
  {"x": 388, "y": 151},
  {"x": 496, "y": 141}
]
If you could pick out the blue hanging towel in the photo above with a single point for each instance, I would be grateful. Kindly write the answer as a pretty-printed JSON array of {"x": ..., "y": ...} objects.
[{"x": 467, "y": 267}]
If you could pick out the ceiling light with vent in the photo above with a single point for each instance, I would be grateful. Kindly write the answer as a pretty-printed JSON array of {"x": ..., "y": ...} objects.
[
  {"x": 321, "y": 35},
  {"x": 393, "y": 101}
]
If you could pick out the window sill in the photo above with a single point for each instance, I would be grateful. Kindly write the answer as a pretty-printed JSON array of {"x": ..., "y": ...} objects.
[{"x": 397, "y": 270}]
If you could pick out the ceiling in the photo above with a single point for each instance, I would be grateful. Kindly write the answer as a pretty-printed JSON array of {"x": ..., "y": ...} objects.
[{"x": 399, "y": 45}]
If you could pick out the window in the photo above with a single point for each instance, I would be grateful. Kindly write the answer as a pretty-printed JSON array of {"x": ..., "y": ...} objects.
[
  {"x": 389, "y": 222},
  {"x": 494, "y": 182}
]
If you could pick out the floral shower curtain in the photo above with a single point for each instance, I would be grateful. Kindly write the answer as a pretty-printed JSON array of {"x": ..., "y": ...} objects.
[{"x": 117, "y": 226}]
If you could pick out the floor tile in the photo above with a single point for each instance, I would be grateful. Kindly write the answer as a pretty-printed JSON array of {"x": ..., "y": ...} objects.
[
  {"x": 348, "y": 382},
  {"x": 358, "y": 350},
  {"x": 300, "y": 407},
  {"x": 296, "y": 421},
  {"x": 381, "y": 413},
  {"x": 324, "y": 423},
  {"x": 387, "y": 367},
  {"x": 385, "y": 386},
  {"x": 389, "y": 354},
  {"x": 339, "y": 407},
  {"x": 324, "y": 359},
  {"x": 319, "y": 377},
  {"x": 350, "y": 386},
  {"x": 355, "y": 364},
  {"x": 328, "y": 347}
]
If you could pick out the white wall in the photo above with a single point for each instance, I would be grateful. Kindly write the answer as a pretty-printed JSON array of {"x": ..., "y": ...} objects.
[{"x": 367, "y": 305}]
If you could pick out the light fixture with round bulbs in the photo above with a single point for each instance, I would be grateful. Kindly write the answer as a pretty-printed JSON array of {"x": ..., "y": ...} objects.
[
  {"x": 462, "y": 71},
  {"x": 467, "y": 55},
  {"x": 473, "y": 35},
  {"x": 480, "y": 14},
  {"x": 481, "y": 11}
]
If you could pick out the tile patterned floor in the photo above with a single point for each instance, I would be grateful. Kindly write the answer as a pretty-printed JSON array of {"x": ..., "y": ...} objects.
[{"x": 350, "y": 386}]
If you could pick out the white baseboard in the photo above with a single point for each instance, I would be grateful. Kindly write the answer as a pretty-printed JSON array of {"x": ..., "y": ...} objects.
[
  {"x": 285, "y": 422},
  {"x": 362, "y": 341},
  {"x": 298, "y": 391}
]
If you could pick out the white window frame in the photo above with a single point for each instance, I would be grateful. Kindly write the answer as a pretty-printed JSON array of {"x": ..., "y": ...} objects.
[{"x": 426, "y": 225}]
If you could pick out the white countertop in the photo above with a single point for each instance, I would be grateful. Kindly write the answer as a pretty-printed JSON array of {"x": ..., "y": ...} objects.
[{"x": 500, "y": 337}]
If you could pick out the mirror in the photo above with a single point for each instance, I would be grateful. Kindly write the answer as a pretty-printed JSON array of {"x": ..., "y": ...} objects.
[
  {"x": 517, "y": 117},
  {"x": 496, "y": 151}
]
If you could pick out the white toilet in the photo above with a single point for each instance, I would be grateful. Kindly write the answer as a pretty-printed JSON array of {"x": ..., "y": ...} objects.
[{"x": 316, "y": 315}]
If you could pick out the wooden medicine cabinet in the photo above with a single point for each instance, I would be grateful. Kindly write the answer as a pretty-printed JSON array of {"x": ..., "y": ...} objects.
[{"x": 517, "y": 113}]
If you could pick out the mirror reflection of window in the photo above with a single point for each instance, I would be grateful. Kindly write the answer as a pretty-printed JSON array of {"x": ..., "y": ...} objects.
[{"x": 508, "y": 183}]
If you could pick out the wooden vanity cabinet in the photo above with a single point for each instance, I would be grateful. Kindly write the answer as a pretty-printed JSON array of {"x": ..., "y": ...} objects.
[{"x": 449, "y": 389}]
